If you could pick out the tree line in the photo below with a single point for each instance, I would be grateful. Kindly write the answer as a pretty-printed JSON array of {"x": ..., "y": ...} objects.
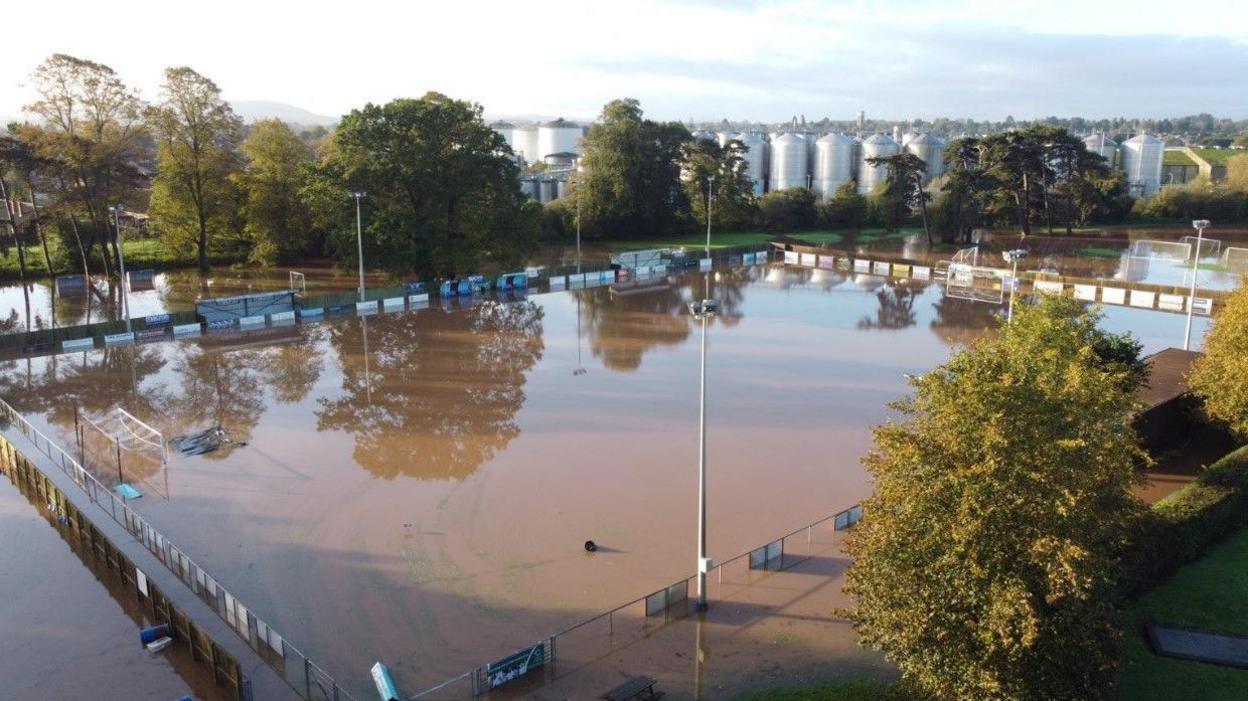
[{"x": 442, "y": 192}]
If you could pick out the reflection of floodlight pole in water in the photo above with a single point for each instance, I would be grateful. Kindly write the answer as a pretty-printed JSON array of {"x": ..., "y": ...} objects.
[
  {"x": 1199, "y": 225},
  {"x": 368, "y": 377},
  {"x": 116, "y": 211},
  {"x": 1013, "y": 256},
  {"x": 359, "y": 238},
  {"x": 703, "y": 311},
  {"x": 580, "y": 369}
]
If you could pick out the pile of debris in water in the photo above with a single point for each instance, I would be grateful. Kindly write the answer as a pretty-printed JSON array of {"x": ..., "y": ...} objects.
[{"x": 205, "y": 441}]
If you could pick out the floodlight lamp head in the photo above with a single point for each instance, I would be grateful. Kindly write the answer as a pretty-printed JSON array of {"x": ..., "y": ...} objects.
[
  {"x": 1200, "y": 223},
  {"x": 704, "y": 309}
]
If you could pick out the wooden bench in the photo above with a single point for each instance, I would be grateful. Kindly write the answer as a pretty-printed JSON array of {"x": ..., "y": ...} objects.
[{"x": 633, "y": 688}]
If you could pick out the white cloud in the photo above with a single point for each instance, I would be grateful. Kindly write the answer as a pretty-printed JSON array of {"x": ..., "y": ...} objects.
[{"x": 760, "y": 60}]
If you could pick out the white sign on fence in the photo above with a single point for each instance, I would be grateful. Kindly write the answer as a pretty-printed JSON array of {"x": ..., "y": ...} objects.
[
  {"x": 187, "y": 330},
  {"x": 792, "y": 258},
  {"x": 704, "y": 264},
  {"x": 1142, "y": 298},
  {"x": 1202, "y": 305},
  {"x": 1113, "y": 295},
  {"x": 558, "y": 282},
  {"x": 809, "y": 260},
  {"x": 418, "y": 301},
  {"x": 1047, "y": 287},
  {"x": 118, "y": 339},
  {"x": 922, "y": 272},
  {"x": 282, "y": 318},
  {"x": 251, "y": 321},
  {"x": 1170, "y": 303},
  {"x": 1086, "y": 293},
  {"x": 880, "y": 267},
  {"x": 392, "y": 303},
  {"x": 862, "y": 266},
  {"x": 366, "y": 307},
  {"x": 78, "y": 344}
]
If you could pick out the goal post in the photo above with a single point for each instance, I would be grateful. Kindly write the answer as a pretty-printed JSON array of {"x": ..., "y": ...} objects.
[{"x": 298, "y": 282}]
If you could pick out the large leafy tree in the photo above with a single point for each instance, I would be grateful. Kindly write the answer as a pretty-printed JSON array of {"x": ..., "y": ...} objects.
[
  {"x": 278, "y": 224},
  {"x": 632, "y": 185},
  {"x": 197, "y": 132},
  {"x": 90, "y": 128},
  {"x": 1220, "y": 377},
  {"x": 986, "y": 565},
  {"x": 731, "y": 197},
  {"x": 903, "y": 187},
  {"x": 443, "y": 194}
]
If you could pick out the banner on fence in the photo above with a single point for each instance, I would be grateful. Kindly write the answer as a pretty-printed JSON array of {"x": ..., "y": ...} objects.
[
  {"x": 78, "y": 344},
  {"x": 792, "y": 257},
  {"x": 1086, "y": 293},
  {"x": 1143, "y": 299},
  {"x": 808, "y": 260},
  {"x": 862, "y": 266},
  {"x": 880, "y": 267},
  {"x": 1047, "y": 287},
  {"x": 516, "y": 665},
  {"x": 1113, "y": 295},
  {"x": 1170, "y": 303},
  {"x": 118, "y": 339}
]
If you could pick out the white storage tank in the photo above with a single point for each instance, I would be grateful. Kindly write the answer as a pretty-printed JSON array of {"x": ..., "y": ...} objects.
[
  {"x": 723, "y": 137},
  {"x": 789, "y": 161},
  {"x": 1142, "y": 158},
  {"x": 524, "y": 142},
  {"x": 530, "y": 187},
  {"x": 1103, "y": 146},
  {"x": 558, "y": 136},
  {"x": 874, "y": 146},
  {"x": 931, "y": 150},
  {"x": 834, "y": 164},
  {"x": 756, "y": 150}
]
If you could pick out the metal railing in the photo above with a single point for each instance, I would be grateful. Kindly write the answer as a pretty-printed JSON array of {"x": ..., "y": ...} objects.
[
  {"x": 307, "y": 679},
  {"x": 595, "y": 638}
]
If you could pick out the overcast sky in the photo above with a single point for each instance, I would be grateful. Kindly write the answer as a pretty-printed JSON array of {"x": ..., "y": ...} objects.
[{"x": 703, "y": 59}]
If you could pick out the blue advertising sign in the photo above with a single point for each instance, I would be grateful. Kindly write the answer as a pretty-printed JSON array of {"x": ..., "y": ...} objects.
[
  {"x": 515, "y": 666},
  {"x": 158, "y": 320}
]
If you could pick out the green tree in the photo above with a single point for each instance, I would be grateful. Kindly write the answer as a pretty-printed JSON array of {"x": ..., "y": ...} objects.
[
  {"x": 632, "y": 185},
  {"x": 1220, "y": 376},
  {"x": 791, "y": 209},
  {"x": 193, "y": 197},
  {"x": 986, "y": 564},
  {"x": 443, "y": 193},
  {"x": 903, "y": 188},
  {"x": 845, "y": 209},
  {"x": 278, "y": 224},
  {"x": 90, "y": 129},
  {"x": 732, "y": 208}
]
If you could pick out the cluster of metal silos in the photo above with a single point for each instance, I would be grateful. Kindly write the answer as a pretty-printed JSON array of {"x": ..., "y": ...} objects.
[
  {"x": 535, "y": 142},
  {"x": 1141, "y": 157}
]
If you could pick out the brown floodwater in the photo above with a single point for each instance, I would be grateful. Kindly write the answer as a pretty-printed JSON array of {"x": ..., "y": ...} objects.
[
  {"x": 71, "y": 625},
  {"x": 416, "y": 487}
]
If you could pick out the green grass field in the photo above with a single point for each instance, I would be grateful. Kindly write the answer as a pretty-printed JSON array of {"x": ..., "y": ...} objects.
[
  {"x": 1212, "y": 594},
  {"x": 1219, "y": 156},
  {"x": 140, "y": 254}
]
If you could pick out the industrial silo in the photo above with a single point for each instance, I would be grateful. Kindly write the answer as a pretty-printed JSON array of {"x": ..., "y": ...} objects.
[
  {"x": 703, "y": 135},
  {"x": 524, "y": 142},
  {"x": 530, "y": 187},
  {"x": 874, "y": 146},
  {"x": 756, "y": 150},
  {"x": 1103, "y": 146},
  {"x": 931, "y": 150},
  {"x": 834, "y": 163},
  {"x": 724, "y": 137},
  {"x": 558, "y": 136},
  {"x": 789, "y": 161},
  {"x": 548, "y": 190},
  {"x": 1142, "y": 160}
]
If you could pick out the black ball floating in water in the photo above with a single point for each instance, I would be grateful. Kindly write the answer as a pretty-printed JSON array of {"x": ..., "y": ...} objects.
[{"x": 590, "y": 546}]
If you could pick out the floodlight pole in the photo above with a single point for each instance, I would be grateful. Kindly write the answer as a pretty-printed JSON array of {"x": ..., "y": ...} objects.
[
  {"x": 578, "y": 230},
  {"x": 702, "y": 310},
  {"x": 1009, "y": 317},
  {"x": 359, "y": 239},
  {"x": 710, "y": 191},
  {"x": 1199, "y": 225},
  {"x": 121, "y": 259}
]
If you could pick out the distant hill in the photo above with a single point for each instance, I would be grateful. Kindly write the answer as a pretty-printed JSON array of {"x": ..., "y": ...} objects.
[{"x": 252, "y": 110}]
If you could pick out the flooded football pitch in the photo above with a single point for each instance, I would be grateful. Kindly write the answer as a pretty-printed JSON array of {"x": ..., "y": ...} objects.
[{"x": 416, "y": 487}]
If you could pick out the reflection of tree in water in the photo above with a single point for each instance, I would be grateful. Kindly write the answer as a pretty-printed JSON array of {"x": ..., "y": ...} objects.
[
  {"x": 292, "y": 369},
  {"x": 220, "y": 386},
  {"x": 963, "y": 321},
  {"x": 440, "y": 391},
  {"x": 896, "y": 305},
  {"x": 622, "y": 327}
]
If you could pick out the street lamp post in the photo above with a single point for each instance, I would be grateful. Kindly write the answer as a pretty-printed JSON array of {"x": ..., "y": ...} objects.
[
  {"x": 1200, "y": 225},
  {"x": 116, "y": 211},
  {"x": 710, "y": 192},
  {"x": 359, "y": 238},
  {"x": 1012, "y": 257},
  {"x": 703, "y": 311}
]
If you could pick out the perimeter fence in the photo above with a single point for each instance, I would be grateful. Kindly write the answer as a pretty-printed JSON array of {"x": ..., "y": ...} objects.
[
  {"x": 304, "y": 676},
  {"x": 593, "y": 639}
]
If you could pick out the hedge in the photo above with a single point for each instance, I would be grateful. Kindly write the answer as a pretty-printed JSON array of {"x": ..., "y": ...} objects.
[{"x": 1184, "y": 525}]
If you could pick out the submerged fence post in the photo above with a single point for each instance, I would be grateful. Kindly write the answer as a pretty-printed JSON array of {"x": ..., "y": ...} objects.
[
  {"x": 120, "y": 476},
  {"x": 307, "y": 677}
]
